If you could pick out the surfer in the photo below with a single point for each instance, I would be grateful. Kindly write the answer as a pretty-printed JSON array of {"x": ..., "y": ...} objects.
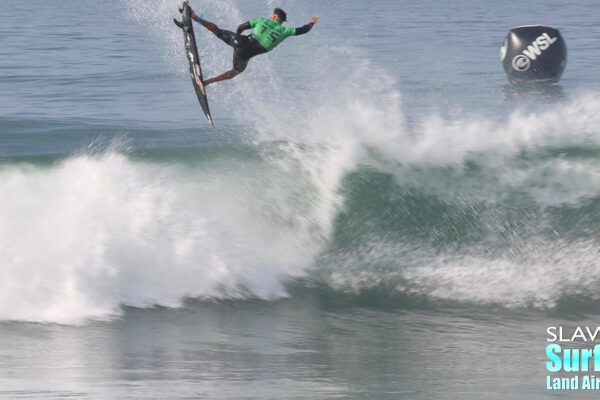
[{"x": 266, "y": 35}]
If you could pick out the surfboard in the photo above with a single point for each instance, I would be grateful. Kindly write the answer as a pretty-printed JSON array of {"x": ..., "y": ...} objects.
[{"x": 191, "y": 52}]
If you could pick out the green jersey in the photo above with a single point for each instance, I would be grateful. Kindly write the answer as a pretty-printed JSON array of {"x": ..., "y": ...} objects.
[{"x": 270, "y": 33}]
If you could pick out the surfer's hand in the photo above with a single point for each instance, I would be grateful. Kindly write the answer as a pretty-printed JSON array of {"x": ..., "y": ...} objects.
[{"x": 313, "y": 20}]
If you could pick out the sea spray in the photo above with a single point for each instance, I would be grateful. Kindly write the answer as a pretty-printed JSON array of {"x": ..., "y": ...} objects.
[{"x": 91, "y": 233}]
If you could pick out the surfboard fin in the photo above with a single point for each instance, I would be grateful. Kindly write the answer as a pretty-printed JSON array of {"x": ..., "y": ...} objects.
[{"x": 178, "y": 23}]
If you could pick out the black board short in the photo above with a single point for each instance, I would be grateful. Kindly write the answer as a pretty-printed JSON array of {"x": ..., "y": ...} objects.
[{"x": 244, "y": 48}]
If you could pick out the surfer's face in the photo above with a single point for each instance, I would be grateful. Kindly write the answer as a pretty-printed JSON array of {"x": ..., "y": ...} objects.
[{"x": 275, "y": 17}]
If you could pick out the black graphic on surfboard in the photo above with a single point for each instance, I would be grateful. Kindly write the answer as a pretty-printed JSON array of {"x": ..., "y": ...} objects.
[{"x": 191, "y": 51}]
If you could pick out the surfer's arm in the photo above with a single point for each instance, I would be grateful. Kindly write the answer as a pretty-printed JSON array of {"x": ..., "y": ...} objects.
[
  {"x": 243, "y": 27},
  {"x": 306, "y": 28}
]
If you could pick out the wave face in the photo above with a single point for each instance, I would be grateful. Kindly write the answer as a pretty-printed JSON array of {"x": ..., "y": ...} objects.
[
  {"x": 437, "y": 213},
  {"x": 333, "y": 188}
]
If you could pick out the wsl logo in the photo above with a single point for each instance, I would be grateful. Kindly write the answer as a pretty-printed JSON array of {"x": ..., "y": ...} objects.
[
  {"x": 540, "y": 44},
  {"x": 522, "y": 62}
]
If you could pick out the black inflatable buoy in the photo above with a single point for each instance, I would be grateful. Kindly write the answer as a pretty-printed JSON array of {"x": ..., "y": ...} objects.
[{"x": 534, "y": 54}]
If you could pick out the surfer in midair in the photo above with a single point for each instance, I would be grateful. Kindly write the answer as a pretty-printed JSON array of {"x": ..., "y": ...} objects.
[{"x": 266, "y": 35}]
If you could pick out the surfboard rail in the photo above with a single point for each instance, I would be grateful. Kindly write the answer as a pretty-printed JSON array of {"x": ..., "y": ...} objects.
[{"x": 191, "y": 52}]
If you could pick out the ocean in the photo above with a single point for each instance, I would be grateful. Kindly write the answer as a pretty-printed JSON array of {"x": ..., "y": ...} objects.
[{"x": 377, "y": 214}]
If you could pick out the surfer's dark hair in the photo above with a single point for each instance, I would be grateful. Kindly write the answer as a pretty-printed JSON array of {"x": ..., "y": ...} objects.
[{"x": 281, "y": 14}]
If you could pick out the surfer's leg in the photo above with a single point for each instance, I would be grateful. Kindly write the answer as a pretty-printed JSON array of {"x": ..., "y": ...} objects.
[
  {"x": 211, "y": 27},
  {"x": 239, "y": 65},
  {"x": 208, "y": 25},
  {"x": 231, "y": 38},
  {"x": 223, "y": 77}
]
